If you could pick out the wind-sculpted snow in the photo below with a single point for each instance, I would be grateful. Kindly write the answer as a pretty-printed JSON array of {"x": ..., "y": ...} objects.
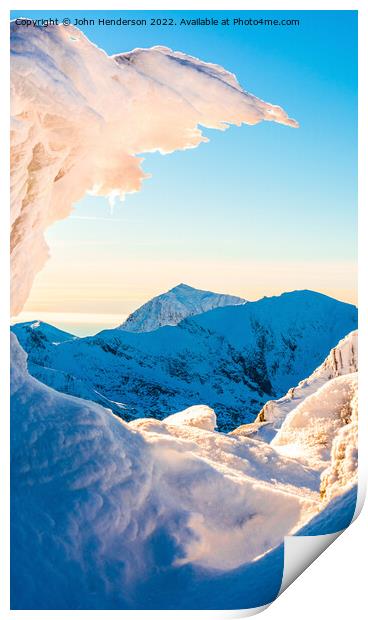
[
  {"x": 100, "y": 506},
  {"x": 322, "y": 433},
  {"x": 342, "y": 360},
  {"x": 80, "y": 117},
  {"x": 177, "y": 304},
  {"x": 231, "y": 359},
  {"x": 342, "y": 471},
  {"x": 309, "y": 430}
]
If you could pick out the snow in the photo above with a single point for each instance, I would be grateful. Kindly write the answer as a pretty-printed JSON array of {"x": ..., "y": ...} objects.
[
  {"x": 317, "y": 422},
  {"x": 342, "y": 359},
  {"x": 81, "y": 117},
  {"x": 172, "y": 307},
  {"x": 107, "y": 514},
  {"x": 257, "y": 583},
  {"x": 336, "y": 516},
  {"x": 135, "y": 498},
  {"x": 233, "y": 359},
  {"x": 309, "y": 430},
  {"x": 199, "y": 416},
  {"x": 153, "y": 513},
  {"x": 38, "y": 331},
  {"x": 342, "y": 471}
]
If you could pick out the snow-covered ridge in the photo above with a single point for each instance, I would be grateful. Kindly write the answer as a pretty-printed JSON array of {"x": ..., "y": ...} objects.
[
  {"x": 231, "y": 358},
  {"x": 171, "y": 307},
  {"x": 40, "y": 332},
  {"x": 316, "y": 422},
  {"x": 79, "y": 118},
  {"x": 342, "y": 360}
]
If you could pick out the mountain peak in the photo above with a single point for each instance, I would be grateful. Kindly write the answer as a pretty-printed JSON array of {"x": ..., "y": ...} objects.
[
  {"x": 174, "y": 305},
  {"x": 182, "y": 285}
]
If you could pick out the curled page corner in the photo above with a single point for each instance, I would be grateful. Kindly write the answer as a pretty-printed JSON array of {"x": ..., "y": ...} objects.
[
  {"x": 361, "y": 495},
  {"x": 300, "y": 552},
  {"x": 239, "y": 613},
  {"x": 314, "y": 538}
]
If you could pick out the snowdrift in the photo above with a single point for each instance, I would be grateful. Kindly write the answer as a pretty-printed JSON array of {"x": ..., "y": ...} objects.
[
  {"x": 97, "y": 503},
  {"x": 102, "y": 510}
]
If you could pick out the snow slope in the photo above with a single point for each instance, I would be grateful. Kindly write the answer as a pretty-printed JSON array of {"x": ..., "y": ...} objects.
[
  {"x": 151, "y": 514},
  {"x": 257, "y": 583},
  {"x": 231, "y": 359},
  {"x": 100, "y": 508},
  {"x": 172, "y": 307},
  {"x": 80, "y": 117}
]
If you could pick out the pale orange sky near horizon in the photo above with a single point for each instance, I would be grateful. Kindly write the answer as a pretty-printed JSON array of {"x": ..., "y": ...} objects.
[
  {"x": 93, "y": 287},
  {"x": 95, "y": 279},
  {"x": 86, "y": 310}
]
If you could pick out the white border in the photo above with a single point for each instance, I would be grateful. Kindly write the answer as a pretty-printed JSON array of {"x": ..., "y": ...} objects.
[{"x": 363, "y": 303}]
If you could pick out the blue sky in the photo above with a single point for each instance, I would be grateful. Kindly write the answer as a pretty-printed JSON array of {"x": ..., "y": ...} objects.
[{"x": 253, "y": 196}]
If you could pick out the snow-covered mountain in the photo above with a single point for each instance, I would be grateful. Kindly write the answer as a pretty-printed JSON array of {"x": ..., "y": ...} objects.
[
  {"x": 232, "y": 359},
  {"x": 175, "y": 305},
  {"x": 105, "y": 513},
  {"x": 37, "y": 333}
]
